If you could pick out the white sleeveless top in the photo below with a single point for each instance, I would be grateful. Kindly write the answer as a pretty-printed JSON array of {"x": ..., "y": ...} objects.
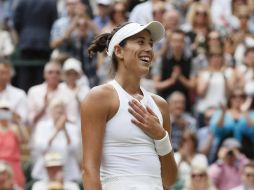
[
  {"x": 127, "y": 150},
  {"x": 216, "y": 92}
]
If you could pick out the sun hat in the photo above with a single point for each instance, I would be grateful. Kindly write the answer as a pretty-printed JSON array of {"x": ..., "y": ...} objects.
[
  {"x": 53, "y": 159},
  {"x": 104, "y": 2},
  {"x": 231, "y": 143},
  {"x": 4, "y": 104},
  {"x": 156, "y": 29},
  {"x": 72, "y": 64}
]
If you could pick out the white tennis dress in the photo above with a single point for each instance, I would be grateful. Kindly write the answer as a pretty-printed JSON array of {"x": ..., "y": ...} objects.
[{"x": 129, "y": 160}]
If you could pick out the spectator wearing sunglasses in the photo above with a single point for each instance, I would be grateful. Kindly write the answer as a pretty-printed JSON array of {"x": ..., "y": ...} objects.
[
  {"x": 199, "y": 179},
  {"x": 247, "y": 177}
]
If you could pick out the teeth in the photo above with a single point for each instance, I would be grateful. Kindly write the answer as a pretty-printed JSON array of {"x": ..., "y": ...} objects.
[{"x": 147, "y": 59}]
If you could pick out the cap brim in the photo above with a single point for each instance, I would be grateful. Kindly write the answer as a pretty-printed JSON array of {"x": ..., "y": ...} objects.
[{"x": 156, "y": 29}]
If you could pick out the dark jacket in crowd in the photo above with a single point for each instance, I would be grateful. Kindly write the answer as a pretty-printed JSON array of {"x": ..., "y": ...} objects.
[{"x": 33, "y": 20}]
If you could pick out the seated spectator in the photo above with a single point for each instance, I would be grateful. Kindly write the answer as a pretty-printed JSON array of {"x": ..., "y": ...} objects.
[
  {"x": 6, "y": 177},
  {"x": 11, "y": 137},
  {"x": 16, "y": 97},
  {"x": 225, "y": 122},
  {"x": 226, "y": 171},
  {"x": 54, "y": 165},
  {"x": 180, "y": 119},
  {"x": 41, "y": 95},
  {"x": 74, "y": 79},
  {"x": 247, "y": 177},
  {"x": 187, "y": 156},
  {"x": 56, "y": 134},
  {"x": 199, "y": 179}
]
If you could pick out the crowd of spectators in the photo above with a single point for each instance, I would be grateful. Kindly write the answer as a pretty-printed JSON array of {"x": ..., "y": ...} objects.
[{"x": 203, "y": 67}]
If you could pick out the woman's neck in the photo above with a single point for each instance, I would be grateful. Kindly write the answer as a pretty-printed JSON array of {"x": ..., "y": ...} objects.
[{"x": 130, "y": 85}]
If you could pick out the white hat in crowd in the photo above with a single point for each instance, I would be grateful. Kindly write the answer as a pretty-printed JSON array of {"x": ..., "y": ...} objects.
[
  {"x": 4, "y": 104},
  {"x": 53, "y": 159},
  {"x": 72, "y": 64},
  {"x": 104, "y": 2}
]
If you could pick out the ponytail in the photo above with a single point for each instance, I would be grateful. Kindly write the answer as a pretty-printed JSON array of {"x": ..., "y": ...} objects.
[{"x": 99, "y": 44}]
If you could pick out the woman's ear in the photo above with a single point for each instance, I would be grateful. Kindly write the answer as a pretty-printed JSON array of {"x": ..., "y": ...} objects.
[{"x": 118, "y": 50}]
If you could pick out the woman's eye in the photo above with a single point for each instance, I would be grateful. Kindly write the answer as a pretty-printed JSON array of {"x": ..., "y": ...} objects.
[{"x": 141, "y": 42}]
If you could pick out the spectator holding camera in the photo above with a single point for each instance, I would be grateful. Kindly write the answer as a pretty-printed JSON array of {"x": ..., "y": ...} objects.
[
  {"x": 226, "y": 171},
  {"x": 11, "y": 137}
]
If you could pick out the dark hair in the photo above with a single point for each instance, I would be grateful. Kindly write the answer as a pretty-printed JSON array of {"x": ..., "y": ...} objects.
[
  {"x": 101, "y": 42},
  {"x": 188, "y": 133}
]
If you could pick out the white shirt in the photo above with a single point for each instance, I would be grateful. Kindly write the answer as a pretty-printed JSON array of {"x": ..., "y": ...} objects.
[
  {"x": 127, "y": 150},
  {"x": 36, "y": 96},
  {"x": 213, "y": 98},
  {"x": 17, "y": 99},
  {"x": 70, "y": 153},
  {"x": 43, "y": 185}
]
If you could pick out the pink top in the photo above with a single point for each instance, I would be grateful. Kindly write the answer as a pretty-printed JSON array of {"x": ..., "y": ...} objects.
[
  {"x": 10, "y": 152},
  {"x": 9, "y": 146},
  {"x": 225, "y": 176}
]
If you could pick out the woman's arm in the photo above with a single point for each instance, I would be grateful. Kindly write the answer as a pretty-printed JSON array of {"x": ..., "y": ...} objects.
[
  {"x": 95, "y": 111},
  {"x": 168, "y": 163}
]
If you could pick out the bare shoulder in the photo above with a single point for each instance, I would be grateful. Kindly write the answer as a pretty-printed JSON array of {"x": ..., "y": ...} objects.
[
  {"x": 100, "y": 99},
  {"x": 161, "y": 103}
]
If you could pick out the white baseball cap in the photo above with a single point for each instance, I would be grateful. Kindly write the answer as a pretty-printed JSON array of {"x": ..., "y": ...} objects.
[
  {"x": 72, "y": 64},
  {"x": 156, "y": 29}
]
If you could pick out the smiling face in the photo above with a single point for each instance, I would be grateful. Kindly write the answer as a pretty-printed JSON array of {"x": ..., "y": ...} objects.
[{"x": 136, "y": 56}]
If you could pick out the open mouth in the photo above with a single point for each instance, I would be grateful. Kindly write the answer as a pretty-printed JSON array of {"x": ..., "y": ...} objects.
[{"x": 146, "y": 60}]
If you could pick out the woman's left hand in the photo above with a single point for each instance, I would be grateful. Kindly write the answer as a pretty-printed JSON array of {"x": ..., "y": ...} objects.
[{"x": 146, "y": 120}]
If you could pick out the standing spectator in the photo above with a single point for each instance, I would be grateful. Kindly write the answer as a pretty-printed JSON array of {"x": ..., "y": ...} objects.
[
  {"x": 15, "y": 96},
  {"x": 41, "y": 95},
  {"x": 54, "y": 165},
  {"x": 12, "y": 134},
  {"x": 57, "y": 134},
  {"x": 247, "y": 177},
  {"x": 174, "y": 69},
  {"x": 180, "y": 120},
  {"x": 226, "y": 171},
  {"x": 33, "y": 20}
]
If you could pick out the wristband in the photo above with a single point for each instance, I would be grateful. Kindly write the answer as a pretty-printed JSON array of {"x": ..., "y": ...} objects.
[{"x": 163, "y": 146}]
